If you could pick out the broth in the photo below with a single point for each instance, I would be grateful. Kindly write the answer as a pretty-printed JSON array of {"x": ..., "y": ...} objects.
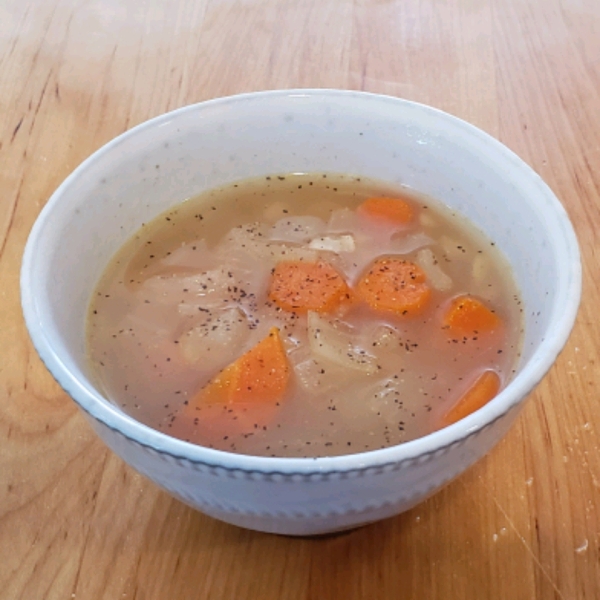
[{"x": 195, "y": 289}]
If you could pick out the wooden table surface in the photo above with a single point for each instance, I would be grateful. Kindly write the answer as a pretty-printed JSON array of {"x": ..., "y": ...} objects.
[{"x": 75, "y": 521}]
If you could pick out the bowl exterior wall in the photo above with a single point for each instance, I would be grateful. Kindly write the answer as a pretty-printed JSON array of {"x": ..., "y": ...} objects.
[{"x": 306, "y": 504}]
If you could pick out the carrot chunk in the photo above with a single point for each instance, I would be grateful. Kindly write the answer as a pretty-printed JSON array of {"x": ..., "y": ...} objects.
[
  {"x": 390, "y": 210},
  {"x": 486, "y": 386},
  {"x": 261, "y": 375},
  {"x": 300, "y": 287},
  {"x": 467, "y": 315},
  {"x": 395, "y": 285}
]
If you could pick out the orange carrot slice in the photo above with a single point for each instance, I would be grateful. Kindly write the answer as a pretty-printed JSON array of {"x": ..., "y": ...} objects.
[
  {"x": 486, "y": 386},
  {"x": 395, "y": 285},
  {"x": 301, "y": 287},
  {"x": 261, "y": 375},
  {"x": 467, "y": 315},
  {"x": 391, "y": 210}
]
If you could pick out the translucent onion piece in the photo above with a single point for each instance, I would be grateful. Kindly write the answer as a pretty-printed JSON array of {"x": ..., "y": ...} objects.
[
  {"x": 297, "y": 229},
  {"x": 212, "y": 341},
  {"x": 437, "y": 278},
  {"x": 337, "y": 244},
  {"x": 330, "y": 341}
]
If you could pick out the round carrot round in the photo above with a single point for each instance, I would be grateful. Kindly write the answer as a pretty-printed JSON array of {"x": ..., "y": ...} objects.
[
  {"x": 467, "y": 315},
  {"x": 391, "y": 210},
  {"x": 300, "y": 287},
  {"x": 395, "y": 285}
]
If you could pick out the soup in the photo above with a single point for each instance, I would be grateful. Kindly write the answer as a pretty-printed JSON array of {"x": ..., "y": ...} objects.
[{"x": 305, "y": 315}]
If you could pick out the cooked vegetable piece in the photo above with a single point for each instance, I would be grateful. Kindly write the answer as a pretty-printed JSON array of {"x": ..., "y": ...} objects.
[
  {"x": 286, "y": 252},
  {"x": 486, "y": 386},
  {"x": 427, "y": 260},
  {"x": 297, "y": 229},
  {"x": 395, "y": 285},
  {"x": 251, "y": 244},
  {"x": 300, "y": 286},
  {"x": 391, "y": 210},
  {"x": 316, "y": 375},
  {"x": 480, "y": 267},
  {"x": 332, "y": 341},
  {"x": 468, "y": 315},
  {"x": 338, "y": 243},
  {"x": 210, "y": 342},
  {"x": 261, "y": 375}
]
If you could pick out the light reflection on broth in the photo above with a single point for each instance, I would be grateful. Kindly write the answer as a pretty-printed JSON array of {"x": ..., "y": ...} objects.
[{"x": 189, "y": 294}]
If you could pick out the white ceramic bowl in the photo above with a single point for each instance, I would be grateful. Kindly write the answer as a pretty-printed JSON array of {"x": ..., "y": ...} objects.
[{"x": 161, "y": 162}]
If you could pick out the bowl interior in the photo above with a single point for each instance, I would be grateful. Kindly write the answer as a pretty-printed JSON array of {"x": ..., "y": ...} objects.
[{"x": 178, "y": 155}]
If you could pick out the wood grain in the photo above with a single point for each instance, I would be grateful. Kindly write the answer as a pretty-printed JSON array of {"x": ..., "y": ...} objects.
[{"x": 75, "y": 522}]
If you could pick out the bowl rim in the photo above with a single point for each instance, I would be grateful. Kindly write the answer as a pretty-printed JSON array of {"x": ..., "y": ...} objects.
[{"x": 100, "y": 409}]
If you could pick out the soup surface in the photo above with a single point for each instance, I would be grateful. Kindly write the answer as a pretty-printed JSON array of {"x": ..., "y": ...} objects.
[{"x": 305, "y": 315}]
